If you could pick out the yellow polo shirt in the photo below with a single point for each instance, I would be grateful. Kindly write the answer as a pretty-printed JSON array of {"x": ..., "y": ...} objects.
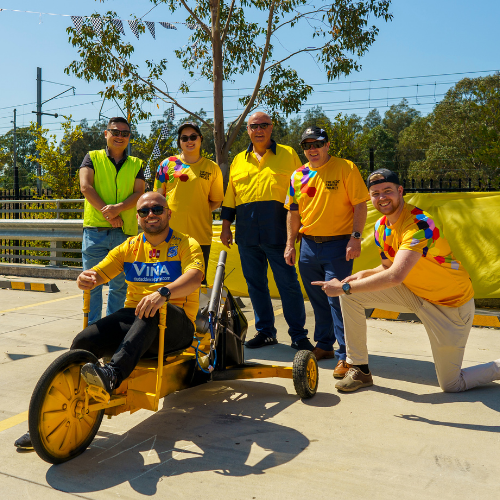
[
  {"x": 251, "y": 180},
  {"x": 148, "y": 268},
  {"x": 188, "y": 187},
  {"x": 438, "y": 276},
  {"x": 325, "y": 197}
]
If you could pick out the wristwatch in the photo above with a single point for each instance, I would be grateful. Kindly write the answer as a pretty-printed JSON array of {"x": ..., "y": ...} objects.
[
  {"x": 356, "y": 235},
  {"x": 347, "y": 288},
  {"x": 164, "y": 292}
]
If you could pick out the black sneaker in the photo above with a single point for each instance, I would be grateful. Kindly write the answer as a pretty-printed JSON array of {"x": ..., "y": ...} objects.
[
  {"x": 24, "y": 442},
  {"x": 260, "y": 340},
  {"x": 302, "y": 345},
  {"x": 102, "y": 376}
]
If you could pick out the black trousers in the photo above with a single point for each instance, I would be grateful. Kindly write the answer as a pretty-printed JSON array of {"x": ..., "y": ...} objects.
[
  {"x": 127, "y": 338},
  {"x": 206, "y": 253}
]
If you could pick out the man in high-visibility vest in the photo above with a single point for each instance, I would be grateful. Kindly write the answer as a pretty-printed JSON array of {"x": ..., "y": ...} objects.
[{"x": 111, "y": 182}]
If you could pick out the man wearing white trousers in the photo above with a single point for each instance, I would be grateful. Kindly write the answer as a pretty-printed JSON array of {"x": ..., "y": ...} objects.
[{"x": 419, "y": 274}]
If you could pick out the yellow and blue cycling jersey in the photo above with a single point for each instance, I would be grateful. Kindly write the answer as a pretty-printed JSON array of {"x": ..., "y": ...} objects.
[{"x": 148, "y": 268}]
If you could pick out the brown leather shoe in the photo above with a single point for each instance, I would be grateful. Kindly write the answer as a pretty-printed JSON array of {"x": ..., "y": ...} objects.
[
  {"x": 322, "y": 354},
  {"x": 341, "y": 369},
  {"x": 354, "y": 379}
]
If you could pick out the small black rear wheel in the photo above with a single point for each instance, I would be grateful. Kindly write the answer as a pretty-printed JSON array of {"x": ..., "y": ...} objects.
[
  {"x": 58, "y": 428},
  {"x": 305, "y": 374}
]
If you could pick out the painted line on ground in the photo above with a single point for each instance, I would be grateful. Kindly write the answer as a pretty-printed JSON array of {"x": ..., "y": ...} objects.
[
  {"x": 13, "y": 421},
  {"x": 40, "y": 303}
]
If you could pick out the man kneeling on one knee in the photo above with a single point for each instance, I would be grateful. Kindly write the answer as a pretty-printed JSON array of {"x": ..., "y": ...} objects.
[
  {"x": 160, "y": 265},
  {"x": 419, "y": 274}
]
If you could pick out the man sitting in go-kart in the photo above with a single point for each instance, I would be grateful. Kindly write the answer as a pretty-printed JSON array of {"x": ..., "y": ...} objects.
[{"x": 160, "y": 265}]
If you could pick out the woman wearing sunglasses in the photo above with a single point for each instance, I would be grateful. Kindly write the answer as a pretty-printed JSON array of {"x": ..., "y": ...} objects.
[{"x": 193, "y": 187}]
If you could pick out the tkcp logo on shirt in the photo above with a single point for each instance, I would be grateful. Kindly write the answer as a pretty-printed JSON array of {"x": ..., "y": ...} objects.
[
  {"x": 205, "y": 175},
  {"x": 332, "y": 185}
]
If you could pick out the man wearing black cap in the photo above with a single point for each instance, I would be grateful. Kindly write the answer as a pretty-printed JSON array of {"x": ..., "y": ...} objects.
[
  {"x": 419, "y": 274},
  {"x": 327, "y": 208}
]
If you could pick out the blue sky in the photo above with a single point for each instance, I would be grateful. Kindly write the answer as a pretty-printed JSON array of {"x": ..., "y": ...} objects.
[{"x": 425, "y": 38}]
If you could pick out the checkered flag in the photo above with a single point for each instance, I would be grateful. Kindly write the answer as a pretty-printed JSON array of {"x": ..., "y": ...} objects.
[
  {"x": 171, "y": 113},
  {"x": 97, "y": 25},
  {"x": 117, "y": 23},
  {"x": 147, "y": 172},
  {"x": 156, "y": 151},
  {"x": 191, "y": 26},
  {"x": 168, "y": 26},
  {"x": 164, "y": 130},
  {"x": 133, "y": 26},
  {"x": 78, "y": 22},
  {"x": 151, "y": 28}
]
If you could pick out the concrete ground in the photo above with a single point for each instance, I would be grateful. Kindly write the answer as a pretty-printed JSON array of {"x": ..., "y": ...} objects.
[{"x": 403, "y": 438}]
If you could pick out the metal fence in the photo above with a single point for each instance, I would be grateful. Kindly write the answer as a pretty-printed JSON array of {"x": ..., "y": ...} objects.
[
  {"x": 441, "y": 185},
  {"x": 41, "y": 231}
]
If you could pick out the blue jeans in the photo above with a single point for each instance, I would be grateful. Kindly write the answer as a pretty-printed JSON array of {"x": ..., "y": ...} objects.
[
  {"x": 254, "y": 263},
  {"x": 95, "y": 247},
  {"x": 322, "y": 262}
]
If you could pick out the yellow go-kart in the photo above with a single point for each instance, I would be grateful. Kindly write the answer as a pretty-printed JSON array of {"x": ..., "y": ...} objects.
[{"x": 65, "y": 413}]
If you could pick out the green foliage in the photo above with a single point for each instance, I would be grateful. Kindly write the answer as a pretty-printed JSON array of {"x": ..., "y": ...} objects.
[
  {"x": 26, "y": 169},
  {"x": 228, "y": 40},
  {"x": 59, "y": 172},
  {"x": 460, "y": 138}
]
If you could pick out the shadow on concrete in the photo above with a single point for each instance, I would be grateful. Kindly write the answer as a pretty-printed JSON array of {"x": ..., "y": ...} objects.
[{"x": 220, "y": 427}]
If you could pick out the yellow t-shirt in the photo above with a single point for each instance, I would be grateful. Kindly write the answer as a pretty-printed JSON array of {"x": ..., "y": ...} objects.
[
  {"x": 437, "y": 277},
  {"x": 325, "y": 197},
  {"x": 148, "y": 268},
  {"x": 252, "y": 180},
  {"x": 188, "y": 187}
]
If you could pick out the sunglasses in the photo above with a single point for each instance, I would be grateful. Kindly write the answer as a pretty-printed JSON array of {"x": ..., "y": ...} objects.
[
  {"x": 116, "y": 133},
  {"x": 263, "y": 126},
  {"x": 316, "y": 145},
  {"x": 144, "y": 211},
  {"x": 192, "y": 137}
]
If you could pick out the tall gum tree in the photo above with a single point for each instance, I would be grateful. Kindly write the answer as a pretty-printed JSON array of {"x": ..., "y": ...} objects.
[{"x": 231, "y": 38}]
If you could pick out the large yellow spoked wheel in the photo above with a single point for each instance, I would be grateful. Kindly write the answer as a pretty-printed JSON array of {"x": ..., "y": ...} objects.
[
  {"x": 305, "y": 374},
  {"x": 59, "y": 429}
]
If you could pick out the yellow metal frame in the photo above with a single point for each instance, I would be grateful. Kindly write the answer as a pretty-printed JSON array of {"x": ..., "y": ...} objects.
[{"x": 152, "y": 380}]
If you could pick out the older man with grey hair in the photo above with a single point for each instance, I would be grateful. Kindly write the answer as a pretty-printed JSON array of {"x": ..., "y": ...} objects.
[{"x": 255, "y": 196}]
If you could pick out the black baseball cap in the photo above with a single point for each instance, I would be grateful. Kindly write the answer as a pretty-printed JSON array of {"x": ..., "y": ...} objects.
[
  {"x": 186, "y": 125},
  {"x": 314, "y": 133},
  {"x": 382, "y": 175}
]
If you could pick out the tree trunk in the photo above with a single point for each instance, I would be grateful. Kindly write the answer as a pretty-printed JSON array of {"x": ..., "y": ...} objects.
[{"x": 218, "y": 78}]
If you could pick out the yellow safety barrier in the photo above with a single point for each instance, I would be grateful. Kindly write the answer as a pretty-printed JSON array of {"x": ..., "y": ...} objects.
[{"x": 469, "y": 222}]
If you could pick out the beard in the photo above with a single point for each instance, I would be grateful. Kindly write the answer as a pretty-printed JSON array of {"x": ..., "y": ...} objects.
[
  {"x": 393, "y": 207},
  {"x": 154, "y": 230}
]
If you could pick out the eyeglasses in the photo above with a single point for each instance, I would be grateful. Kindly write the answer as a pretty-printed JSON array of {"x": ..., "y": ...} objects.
[
  {"x": 263, "y": 126},
  {"x": 316, "y": 145},
  {"x": 192, "y": 137},
  {"x": 117, "y": 133},
  {"x": 144, "y": 211}
]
